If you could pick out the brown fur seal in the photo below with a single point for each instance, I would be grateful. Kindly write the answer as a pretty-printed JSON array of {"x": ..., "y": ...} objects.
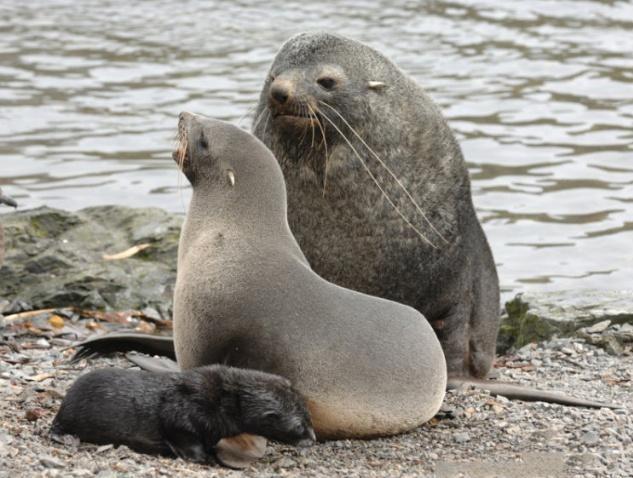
[
  {"x": 9, "y": 202},
  {"x": 184, "y": 414},
  {"x": 378, "y": 192},
  {"x": 245, "y": 296}
]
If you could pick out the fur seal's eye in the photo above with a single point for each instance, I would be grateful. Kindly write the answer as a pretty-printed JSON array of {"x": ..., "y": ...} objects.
[
  {"x": 327, "y": 82},
  {"x": 203, "y": 141}
]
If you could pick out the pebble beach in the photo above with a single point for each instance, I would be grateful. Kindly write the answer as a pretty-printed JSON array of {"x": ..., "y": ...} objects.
[{"x": 474, "y": 434}]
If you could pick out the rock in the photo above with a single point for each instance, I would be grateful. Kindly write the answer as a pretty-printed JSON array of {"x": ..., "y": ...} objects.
[
  {"x": 599, "y": 327},
  {"x": 50, "y": 462},
  {"x": 590, "y": 438},
  {"x": 461, "y": 437},
  {"x": 285, "y": 462},
  {"x": 55, "y": 258},
  {"x": 538, "y": 317}
]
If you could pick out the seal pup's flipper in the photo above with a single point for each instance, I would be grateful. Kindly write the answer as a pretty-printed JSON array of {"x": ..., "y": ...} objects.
[
  {"x": 240, "y": 451},
  {"x": 125, "y": 342},
  {"x": 519, "y": 392},
  {"x": 153, "y": 364}
]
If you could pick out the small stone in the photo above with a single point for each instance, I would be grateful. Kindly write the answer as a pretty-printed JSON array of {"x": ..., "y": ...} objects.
[
  {"x": 56, "y": 322},
  {"x": 599, "y": 327},
  {"x": 81, "y": 472},
  {"x": 590, "y": 438},
  {"x": 43, "y": 343},
  {"x": 462, "y": 437},
  {"x": 34, "y": 414},
  {"x": 16, "y": 307},
  {"x": 103, "y": 448},
  {"x": 151, "y": 313},
  {"x": 50, "y": 462},
  {"x": 285, "y": 462}
]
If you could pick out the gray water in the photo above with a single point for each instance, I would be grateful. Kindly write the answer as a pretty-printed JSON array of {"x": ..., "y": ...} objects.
[{"x": 540, "y": 94}]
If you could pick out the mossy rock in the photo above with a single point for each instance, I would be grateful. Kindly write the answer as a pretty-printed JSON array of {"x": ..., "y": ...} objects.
[
  {"x": 55, "y": 258},
  {"x": 536, "y": 317}
]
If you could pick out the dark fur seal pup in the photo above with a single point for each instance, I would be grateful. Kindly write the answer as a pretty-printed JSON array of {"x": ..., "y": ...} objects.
[
  {"x": 378, "y": 192},
  {"x": 9, "y": 202},
  {"x": 184, "y": 413},
  {"x": 245, "y": 296}
]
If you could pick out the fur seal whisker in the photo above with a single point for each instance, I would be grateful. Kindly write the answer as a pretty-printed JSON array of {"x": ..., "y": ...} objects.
[
  {"x": 324, "y": 143},
  {"x": 259, "y": 118},
  {"x": 391, "y": 173},
  {"x": 267, "y": 118},
  {"x": 249, "y": 111},
  {"x": 371, "y": 175}
]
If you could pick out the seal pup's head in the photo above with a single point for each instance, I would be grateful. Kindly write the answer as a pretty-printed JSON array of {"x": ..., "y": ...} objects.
[
  {"x": 266, "y": 404},
  {"x": 227, "y": 163}
]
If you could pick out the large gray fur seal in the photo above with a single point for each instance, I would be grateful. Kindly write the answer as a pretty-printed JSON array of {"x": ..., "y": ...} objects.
[
  {"x": 320, "y": 89},
  {"x": 245, "y": 296}
]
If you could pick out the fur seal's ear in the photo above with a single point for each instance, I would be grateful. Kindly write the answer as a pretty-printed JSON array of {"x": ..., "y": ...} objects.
[
  {"x": 376, "y": 85},
  {"x": 231, "y": 175}
]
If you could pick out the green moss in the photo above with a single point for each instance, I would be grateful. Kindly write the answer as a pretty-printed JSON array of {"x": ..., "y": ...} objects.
[{"x": 520, "y": 327}]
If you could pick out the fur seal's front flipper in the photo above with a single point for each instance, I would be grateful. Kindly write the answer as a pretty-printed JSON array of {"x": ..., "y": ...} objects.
[
  {"x": 240, "y": 451},
  {"x": 153, "y": 364},
  {"x": 519, "y": 392},
  {"x": 125, "y": 342}
]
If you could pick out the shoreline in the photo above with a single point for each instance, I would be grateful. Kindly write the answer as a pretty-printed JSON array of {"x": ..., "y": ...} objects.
[{"x": 579, "y": 342}]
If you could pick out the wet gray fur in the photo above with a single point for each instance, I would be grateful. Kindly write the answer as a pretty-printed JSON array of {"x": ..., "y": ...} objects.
[{"x": 347, "y": 230}]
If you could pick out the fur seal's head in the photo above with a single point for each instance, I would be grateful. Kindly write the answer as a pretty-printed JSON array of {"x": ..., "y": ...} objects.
[
  {"x": 269, "y": 406},
  {"x": 315, "y": 78},
  {"x": 220, "y": 158}
]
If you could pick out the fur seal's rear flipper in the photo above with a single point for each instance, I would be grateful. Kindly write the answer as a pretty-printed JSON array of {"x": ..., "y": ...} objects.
[
  {"x": 153, "y": 364},
  {"x": 240, "y": 451},
  {"x": 124, "y": 342},
  {"x": 518, "y": 392}
]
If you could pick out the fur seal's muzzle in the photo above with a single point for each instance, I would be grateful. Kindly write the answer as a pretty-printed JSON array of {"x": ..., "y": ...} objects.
[
  {"x": 287, "y": 106},
  {"x": 181, "y": 155}
]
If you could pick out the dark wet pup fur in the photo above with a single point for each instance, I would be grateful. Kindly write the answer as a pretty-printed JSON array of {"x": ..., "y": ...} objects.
[{"x": 182, "y": 414}]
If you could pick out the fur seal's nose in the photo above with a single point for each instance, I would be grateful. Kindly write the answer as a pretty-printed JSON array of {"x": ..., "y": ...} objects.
[
  {"x": 279, "y": 94},
  {"x": 184, "y": 115},
  {"x": 280, "y": 91}
]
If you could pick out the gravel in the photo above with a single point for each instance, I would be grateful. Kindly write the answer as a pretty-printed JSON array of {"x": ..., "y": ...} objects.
[{"x": 474, "y": 435}]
